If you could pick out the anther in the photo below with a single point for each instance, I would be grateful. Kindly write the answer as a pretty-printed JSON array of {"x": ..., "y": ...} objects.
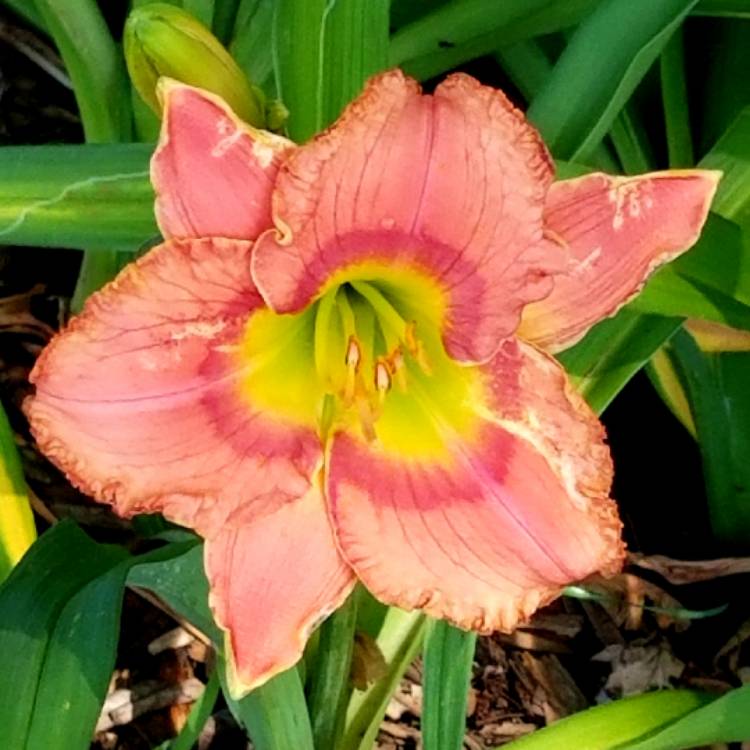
[
  {"x": 382, "y": 377},
  {"x": 352, "y": 359},
  {"x": 353, "y": 354}
]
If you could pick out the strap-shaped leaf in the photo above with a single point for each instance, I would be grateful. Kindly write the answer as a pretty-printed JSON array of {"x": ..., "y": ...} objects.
[
  {"x": 76, "y": 196},
  {"x": 59, "y": 624},
  {"x": 615, "y": 725},
  {"x": 323, "y": 52},
  {"x": 448, "y": 656},
  {"x": 17, "y": 530},
  {"x": 605, "y": 60}
]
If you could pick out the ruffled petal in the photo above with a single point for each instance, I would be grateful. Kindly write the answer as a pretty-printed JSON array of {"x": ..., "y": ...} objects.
[
  {"x": 142, "y": 400},
  {"x": 213, "y": 174},
  {"x": 450, "y": 185},
  {"x": 516, "y": 509},
  {"x": 619, "y": 230},
  {"x": 272, "y": 582}
]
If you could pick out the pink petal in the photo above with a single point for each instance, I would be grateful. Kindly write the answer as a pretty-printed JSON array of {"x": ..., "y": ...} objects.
[
  {"x": 139, "y": 401},
  {"x": 512, "y": 513},
  {"x": 212, "y": 173},
  {"x": 619, "y": 230},
  {"x": 272, "y": 582},
  {"x": 452, "y": 185}
]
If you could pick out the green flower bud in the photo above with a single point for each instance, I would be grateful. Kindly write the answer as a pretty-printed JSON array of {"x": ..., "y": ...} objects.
[{"x": 163, "y": 40}]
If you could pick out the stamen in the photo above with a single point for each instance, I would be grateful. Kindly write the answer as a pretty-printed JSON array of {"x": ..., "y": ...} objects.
[
  {"x": 352, "y": 360},
  {"x": 382, "y": 378}
]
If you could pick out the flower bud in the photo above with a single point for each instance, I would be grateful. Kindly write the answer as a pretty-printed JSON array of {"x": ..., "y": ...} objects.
[{"x": 163, "y": 40}]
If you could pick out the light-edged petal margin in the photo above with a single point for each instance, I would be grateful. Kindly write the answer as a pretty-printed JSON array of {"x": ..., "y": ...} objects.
[
  {"x": 512, "y": 517},
  {"x": 140, "y": 399},
  {"x": 451, "y": 185},
  {"x": 619, "y": 230},
  {"x": 213, "y": 174},
  {"x": 272, "y": 582}
]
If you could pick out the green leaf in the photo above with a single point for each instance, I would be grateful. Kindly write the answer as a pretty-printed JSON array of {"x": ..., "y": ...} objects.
[
  {"x": 354, "y": 39},
  {"x": 716, "y": 386},
  {"x": 25, "y": 10},
  {"x": 613, "y": 351},
  {"x": 59, "y": 623},
  {"x": 731, "y": 154},
  {"x": 329, "y": 685},
  {"x": 203, "y": 10},
  {"x": 606, "y": 58},
  {"x": 463, "y": 30},
  {"x": 729, "y": 8},
  {"x": 181, "y": 583},
  {"x": 723, "y": 88},
  {"x": 323, "y": 53},
  {"x": 38, "y": 604},
  {"x": 726, "y": 719},
  {"x": 102, "y": 92},
  {"x": 275, "y": 714},
  {"x": 199, "y": 714},
  {"x": 76, "y": 196},
  {"x": 675, "y": 101},
  {"x": 448, "y": 657},
  {"x": 399, "y": 640},
  {"x": 94, "y": 64},
  {"x": 17, "y": 530},
  {"x": 225, "y": 13},
  {"x": 614, "y": 725},
  {"x": 707, "y": 282},
  {"x": 251, "y": 44}
]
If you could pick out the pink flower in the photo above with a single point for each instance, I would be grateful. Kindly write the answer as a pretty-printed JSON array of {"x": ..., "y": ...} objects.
[{"x": 332, "y": 369}]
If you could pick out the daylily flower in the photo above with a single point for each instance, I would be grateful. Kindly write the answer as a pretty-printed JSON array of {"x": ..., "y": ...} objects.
[{"x": 335, "y": 368}]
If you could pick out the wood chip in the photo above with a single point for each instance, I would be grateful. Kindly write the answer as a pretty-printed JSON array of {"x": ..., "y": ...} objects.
[
  {"x": 546, "y": 687},
  {"x": 691, "y": 571},
  {"x": 176, "y": 638},
  {"x": 125, "y": 704}
]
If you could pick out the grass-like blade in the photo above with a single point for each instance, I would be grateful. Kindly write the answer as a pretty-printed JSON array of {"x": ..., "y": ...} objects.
[
  {"x": 251, "y": 41},
  {"x": 716, "y": 387},
  {"x": 354, "y": 42},
  {"x": 199, "y": 715},
  {"x": 448, "y": 655},
  {"x": 25, "y": 10},
  {"x": 323, "y": 52},
  {"x": 613, "y": 351},
  {"x": 454, "y": 33},
  {"x": 399, "y": 640},
  {"x": 329, "y": 684},
  {"x": 17, "y": 530},
  {"x": 59, "y": 624},
  {"x": 675, "y": 101},
  {"x": 606, "y": 58},
  {"x": 726, "y": 719},
  {"x": 731, "y": 154},
  {"x": 616, "y": 725},
  {"x": 275, "y": 714},
  {"x": 95, "y": 66},
  {"x": 76, "y": 196}
]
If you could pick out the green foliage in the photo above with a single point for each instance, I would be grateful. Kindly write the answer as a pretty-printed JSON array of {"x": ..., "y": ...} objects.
[
  {"x": 448, "y": 656},
  {"x": 59, "y": 623}
]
